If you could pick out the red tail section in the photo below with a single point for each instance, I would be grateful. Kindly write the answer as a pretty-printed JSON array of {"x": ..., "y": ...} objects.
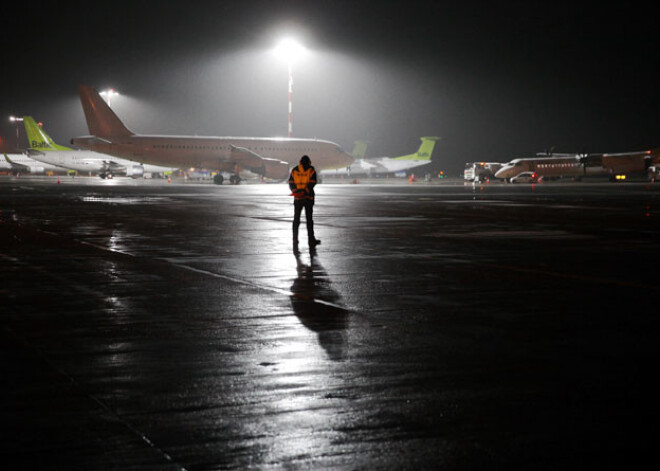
[{"x": 101, "y": 120}]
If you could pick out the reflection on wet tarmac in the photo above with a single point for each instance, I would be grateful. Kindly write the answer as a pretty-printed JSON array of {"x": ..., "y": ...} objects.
[
  {"x": 169, "y": 327},
  {"x": 317, "y": 306}
]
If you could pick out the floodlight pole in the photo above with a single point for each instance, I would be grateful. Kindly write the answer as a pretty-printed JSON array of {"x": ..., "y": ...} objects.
[
  {"x": 288, "y": 50},
  {"x": 15, "y": 120},
  {"x": 290, "y": 99}
]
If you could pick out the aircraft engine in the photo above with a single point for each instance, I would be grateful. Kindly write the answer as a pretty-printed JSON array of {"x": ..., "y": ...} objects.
[
  {"x": 135, "y": 171},
  {"x": 275, "y": 169},
  {"x": 269, "y": 168},
  {"x": 37, "y": 170}
]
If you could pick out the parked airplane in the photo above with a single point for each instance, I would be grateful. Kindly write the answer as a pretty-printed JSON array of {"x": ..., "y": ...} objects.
[
  {"x": 268, "y": 157},
  {"x": 383, "y": 165},
  {"x": 21, "y": 163},
  {"x": 614, "y": 166},
  {"x": 44, "y": 149}
]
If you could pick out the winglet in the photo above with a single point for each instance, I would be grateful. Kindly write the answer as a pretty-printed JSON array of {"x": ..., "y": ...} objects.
[
  {"x": 37, "y": 137},
  {"x": 101, "y": 120}
]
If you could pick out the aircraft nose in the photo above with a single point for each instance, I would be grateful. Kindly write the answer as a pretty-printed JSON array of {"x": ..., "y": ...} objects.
[{"x": 501, "y": 173}]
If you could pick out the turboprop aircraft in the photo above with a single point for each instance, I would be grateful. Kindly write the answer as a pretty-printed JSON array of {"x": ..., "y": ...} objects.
[
  {"x": 267, "y": 157},
  {"x": 44, "y": 149},
  {"x": 614, "y": 166},
  {"x": 383, "y": 165}
]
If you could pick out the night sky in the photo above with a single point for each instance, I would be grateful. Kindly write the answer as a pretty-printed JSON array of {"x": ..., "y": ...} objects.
[{"x": 496, "y": 80}]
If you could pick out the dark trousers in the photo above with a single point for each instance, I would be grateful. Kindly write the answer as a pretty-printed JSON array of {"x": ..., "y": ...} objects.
[{"x": 298, "y": 206}]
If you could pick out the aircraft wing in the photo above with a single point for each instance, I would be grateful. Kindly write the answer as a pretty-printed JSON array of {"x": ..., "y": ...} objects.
[
  {"x": 112, "y": 166},
  {"x": 16, "y": 165},
  {"x": 250, "y": 160}
]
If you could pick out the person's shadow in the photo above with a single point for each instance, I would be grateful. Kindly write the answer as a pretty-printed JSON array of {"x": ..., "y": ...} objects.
[{"x": 317, "y": 306}]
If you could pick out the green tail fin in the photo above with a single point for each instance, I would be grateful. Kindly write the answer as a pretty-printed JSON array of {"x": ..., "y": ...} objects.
[
  {"x": 38, "y": 138},
  {"x": 360, "y": 149},
  {"x": 425, "y": 150}
]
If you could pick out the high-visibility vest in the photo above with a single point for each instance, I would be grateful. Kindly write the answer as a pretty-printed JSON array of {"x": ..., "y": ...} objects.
[{"x": 302, "y": 177}]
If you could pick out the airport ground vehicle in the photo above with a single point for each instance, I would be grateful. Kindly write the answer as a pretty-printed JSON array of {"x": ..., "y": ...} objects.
[
  {"x": 480, "y": 171},
  {"x": 525, "y": 177}
]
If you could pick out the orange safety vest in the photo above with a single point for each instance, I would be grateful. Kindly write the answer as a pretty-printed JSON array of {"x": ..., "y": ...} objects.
[{"x": 302, "y": 178}]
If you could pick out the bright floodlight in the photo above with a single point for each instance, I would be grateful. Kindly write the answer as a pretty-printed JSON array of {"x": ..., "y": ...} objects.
[
  {"x": 108, "y": 94},
  {"x": 289, "y": 49}
]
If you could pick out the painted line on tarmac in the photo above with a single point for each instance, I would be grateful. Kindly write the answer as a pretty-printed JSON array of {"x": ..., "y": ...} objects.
[
  {"x": 251, "y": 284},
  {"x": 220, "y": 276}
]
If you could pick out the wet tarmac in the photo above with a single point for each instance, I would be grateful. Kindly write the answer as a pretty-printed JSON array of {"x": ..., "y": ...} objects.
[{"x": 148, "y": 325}]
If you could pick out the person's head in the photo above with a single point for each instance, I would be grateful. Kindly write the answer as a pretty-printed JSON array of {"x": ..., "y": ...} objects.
[{"x": 305, "y": 161}]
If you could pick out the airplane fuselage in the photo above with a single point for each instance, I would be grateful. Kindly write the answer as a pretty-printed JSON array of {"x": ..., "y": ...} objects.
[
  {"x": 23, "y": 163},
  {"x": 89, "y": 161},
  {"x": 216, "y": 153},
  {"x": 550, "y": 166},
  {"x": 580, "y": 166},
  {"x": 377, "y": 166}
]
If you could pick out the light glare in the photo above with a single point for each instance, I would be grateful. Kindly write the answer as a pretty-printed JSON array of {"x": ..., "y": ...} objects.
[{"x": 289, "y": 49}]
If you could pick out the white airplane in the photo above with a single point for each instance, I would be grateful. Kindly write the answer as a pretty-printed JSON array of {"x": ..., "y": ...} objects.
[
  {"x": 44, "y": 149},
  {"x": 22, "y": 163},
  {"x": 267, "y": 157},
  {"x": 614, "y": 166},
  {"x": 383, "y": 165}
]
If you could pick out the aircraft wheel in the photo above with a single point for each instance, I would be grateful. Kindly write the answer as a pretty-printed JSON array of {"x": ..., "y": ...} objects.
[{"x": 218, "y": 179}]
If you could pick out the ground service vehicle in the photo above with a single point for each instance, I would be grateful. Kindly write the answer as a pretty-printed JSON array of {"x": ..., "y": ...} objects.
[{"x": 480, "y": 171}]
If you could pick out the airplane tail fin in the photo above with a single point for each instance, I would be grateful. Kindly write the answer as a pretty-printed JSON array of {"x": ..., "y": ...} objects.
[
  {"x": 425, "y": 150},
  {"x": 37, "y": 137},
  {"x": 101, "y": 120},
  {"x": 360, "y": 149}
]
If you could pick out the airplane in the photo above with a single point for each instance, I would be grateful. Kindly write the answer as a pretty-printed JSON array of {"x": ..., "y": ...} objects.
[
  {"x": 44, "y": 149},
  {"x": 614, "y": 166},
  {"x": 267, "y": 157},
  {"x": 383, "y": 165},
  {"x": 22, "y": 163}
]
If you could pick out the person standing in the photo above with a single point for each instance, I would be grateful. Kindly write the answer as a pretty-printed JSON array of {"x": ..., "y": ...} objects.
[{"x": 301, "y": 182}]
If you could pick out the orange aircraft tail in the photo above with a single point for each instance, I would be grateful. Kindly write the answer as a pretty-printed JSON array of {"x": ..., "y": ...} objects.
[{"x": 101, "y": 120}]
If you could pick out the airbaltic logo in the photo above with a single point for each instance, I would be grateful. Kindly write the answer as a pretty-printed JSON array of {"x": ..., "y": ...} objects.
[
  {"x": 422, "y": 154},
  {"x": 39, "y": 145}
]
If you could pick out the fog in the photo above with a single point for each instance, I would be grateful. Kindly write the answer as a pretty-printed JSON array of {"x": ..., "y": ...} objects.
[{"x": 495, "y": 83}]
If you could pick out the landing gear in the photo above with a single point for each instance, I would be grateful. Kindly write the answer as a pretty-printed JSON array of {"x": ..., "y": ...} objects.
[
  {"x": 218, "y": 179},
  {"x": 106, "y": 176},
  {"x": 235, "y": 179}
]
